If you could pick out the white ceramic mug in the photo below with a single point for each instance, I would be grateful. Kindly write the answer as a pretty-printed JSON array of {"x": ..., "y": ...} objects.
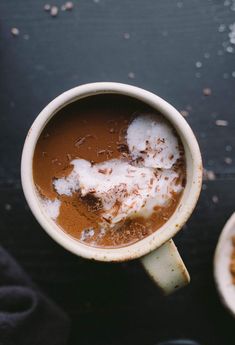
[{"x": 157, "y": 251}]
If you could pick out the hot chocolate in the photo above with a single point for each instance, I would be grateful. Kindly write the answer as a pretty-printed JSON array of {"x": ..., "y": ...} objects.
[{"x": 109, "y": 170}]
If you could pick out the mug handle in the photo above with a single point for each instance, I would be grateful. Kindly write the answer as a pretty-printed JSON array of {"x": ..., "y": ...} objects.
[{"x": 166, "y": 268}]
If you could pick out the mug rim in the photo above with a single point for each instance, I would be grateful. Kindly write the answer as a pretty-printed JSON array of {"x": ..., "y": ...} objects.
[{"x": 158, "y": 237}]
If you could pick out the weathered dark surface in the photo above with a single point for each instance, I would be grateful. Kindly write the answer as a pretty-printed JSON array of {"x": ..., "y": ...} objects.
[{"x": 118, "y": 304}]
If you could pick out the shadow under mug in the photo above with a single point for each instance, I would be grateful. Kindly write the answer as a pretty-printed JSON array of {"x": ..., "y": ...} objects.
[{"x": 157, "y": 252}]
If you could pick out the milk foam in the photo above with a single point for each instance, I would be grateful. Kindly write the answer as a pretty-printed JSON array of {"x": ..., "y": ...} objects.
[
  {"x": 135, "y": 187},
  {"x": 124, "y": 189},
  {"x": 52, "y": 207},
  {"x": 150, "y": 138}
]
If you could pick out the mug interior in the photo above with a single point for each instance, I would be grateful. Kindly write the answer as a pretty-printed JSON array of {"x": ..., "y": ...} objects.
[{"x": 157, "y": 238}]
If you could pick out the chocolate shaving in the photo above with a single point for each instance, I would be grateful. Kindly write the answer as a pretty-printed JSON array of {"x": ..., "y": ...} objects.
[
  {"x": 122, "y": 134},
  {"x": 80, "y": 141},
  {"x": 101, "y": 152},
  {"x": 69, "y": 157},
  {"x": 107, "y": 220},
  {"x": 183, "y": 183},
  {"x": 102, "y": 171},
  {"x": 109, "y": 153},
  {"x": 123, "y": 148},
  {"x": 105, "y": 171},
  {"x": 93, "y": 203},
  {"x": 160, "y": 140}
]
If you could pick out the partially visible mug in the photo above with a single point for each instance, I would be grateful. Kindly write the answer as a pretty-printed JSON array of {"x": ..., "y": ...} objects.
[{"x": 157, "y": 252}]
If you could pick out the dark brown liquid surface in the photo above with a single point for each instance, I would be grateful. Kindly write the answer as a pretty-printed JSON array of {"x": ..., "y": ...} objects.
[{"x": 93, "y": 129}]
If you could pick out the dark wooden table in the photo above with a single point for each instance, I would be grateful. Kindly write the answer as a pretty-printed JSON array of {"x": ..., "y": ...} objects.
[{"x": 175, "y": 49}]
